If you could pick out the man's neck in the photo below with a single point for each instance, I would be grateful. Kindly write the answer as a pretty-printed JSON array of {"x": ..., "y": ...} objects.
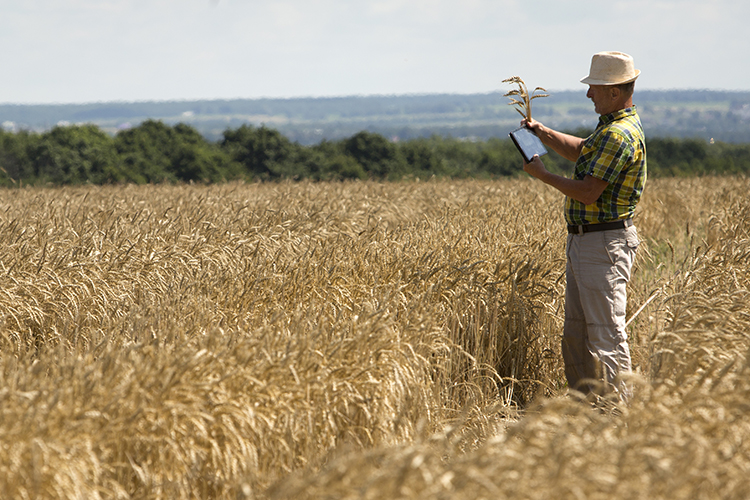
[{"x": 619, "y": 106}]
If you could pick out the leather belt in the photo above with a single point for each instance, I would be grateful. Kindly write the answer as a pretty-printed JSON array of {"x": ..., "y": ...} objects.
[{"x": 603, "y": 226}]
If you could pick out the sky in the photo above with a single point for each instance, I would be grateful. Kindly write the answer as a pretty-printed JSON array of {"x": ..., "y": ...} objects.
[{"x": 82, "y": 51}]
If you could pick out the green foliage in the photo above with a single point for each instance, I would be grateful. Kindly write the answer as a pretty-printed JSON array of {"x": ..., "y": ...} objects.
[
  {"x": 377, "y": 155},
  {"x": 328, "y": 161},
  {"x": 195, "y": 159},
  {"x": 145, "y": 152},
  {"x": 16, "y": 163},
  {"x": 688, "y": 157},
  {"x": 421, "y": 157},
  {"x": 75, "y": 155},
  {"x": 263, "y": 152},
  {"x": 157, "y": 152}
]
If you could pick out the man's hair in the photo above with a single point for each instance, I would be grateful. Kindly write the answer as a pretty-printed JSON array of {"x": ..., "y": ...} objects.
[{"x": 627, "y": 88}]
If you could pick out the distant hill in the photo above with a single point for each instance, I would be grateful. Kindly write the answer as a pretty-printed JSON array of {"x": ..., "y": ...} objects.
[{"x": 719, "y": 115}]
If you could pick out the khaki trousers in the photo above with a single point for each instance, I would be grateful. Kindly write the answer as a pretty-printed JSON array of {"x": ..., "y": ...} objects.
[{"x": 597, "y": 272}]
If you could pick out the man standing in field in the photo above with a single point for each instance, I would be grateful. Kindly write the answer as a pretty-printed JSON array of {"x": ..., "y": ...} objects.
[{"x": 600, "y": 200}]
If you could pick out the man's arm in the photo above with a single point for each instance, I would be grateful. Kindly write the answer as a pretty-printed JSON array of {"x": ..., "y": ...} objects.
[
  {"x": 587, "y": 191},
  {"x": 567, "y": 146}
]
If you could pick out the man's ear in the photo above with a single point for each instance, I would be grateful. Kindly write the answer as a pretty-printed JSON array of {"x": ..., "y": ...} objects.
[{"x": 614, "y": 93}]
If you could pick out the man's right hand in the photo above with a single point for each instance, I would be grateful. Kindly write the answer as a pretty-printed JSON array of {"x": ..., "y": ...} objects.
[
  {"x": 533, "y": 125},
  {"x": 567, "y": 146}
]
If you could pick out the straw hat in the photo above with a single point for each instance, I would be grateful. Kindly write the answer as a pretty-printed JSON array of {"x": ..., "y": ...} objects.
[{"x": 611, "y": 68}]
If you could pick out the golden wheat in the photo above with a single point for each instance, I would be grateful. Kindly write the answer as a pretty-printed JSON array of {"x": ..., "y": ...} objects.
[
  {"x": 359, "y": 340},
  {"x": 523, "y": 106}
]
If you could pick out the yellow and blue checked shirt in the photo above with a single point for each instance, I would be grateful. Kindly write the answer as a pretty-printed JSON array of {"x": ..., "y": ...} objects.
[{"x": 616, "y": 153}]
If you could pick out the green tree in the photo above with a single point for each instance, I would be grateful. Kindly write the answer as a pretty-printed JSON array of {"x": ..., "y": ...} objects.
[
  {"x": 156, "y": 152},
  {"x": 458, "y": 158},
  {"x": 76, "y": 154},
  {"x": 499, "y": 158},
  {"x": 327, "y": 161},
  {"x": 378, "y": 156},
  {"x": 146, "y": 152},
  {"x": 193, "y": 158},
  {"x": 15, "y": 160},
  {"x": 421, "y": 158},
  {"x": 264, "y": 152}
]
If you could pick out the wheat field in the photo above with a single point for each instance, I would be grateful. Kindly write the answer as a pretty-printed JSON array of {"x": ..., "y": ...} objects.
[{"x": 360, "y": 341}]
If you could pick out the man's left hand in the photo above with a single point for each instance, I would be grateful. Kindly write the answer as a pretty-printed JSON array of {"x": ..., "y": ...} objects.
[{"x": 535, "y": 168}]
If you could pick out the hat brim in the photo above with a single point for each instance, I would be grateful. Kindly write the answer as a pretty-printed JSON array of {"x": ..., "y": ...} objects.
[{"x": 592, "y": 81}]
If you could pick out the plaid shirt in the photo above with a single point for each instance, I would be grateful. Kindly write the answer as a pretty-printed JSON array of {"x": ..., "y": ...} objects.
[{"x": 616, "y": 153}]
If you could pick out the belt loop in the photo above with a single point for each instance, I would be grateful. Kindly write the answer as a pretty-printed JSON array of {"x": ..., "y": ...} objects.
[{"x": 580, "y": 229}]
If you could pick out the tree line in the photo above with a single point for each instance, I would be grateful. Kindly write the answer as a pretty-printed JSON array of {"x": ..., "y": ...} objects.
[{"x": 156, "y": 152}]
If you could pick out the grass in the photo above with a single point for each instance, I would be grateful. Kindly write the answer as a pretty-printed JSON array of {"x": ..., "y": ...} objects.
[{"x": 359, "y": 340}]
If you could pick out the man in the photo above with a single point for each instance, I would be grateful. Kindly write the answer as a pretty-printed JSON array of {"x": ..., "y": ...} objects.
[{"x": 601, "y": 196}]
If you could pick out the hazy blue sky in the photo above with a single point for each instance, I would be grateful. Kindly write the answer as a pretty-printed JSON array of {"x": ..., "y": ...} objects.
[{"x": 126, "y": 50}]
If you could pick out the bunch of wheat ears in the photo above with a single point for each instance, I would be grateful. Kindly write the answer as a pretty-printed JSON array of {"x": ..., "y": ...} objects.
[{"x": 523, "y": 106}]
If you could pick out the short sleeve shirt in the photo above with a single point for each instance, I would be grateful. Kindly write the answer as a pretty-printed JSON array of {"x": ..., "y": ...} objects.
[{"x": 615, "y": 153}]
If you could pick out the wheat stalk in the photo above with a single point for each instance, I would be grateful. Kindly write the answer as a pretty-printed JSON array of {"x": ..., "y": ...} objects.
[{"x": 523, "y": 106}]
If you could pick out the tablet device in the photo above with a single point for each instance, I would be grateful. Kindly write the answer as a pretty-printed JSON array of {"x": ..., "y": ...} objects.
[{"x": 527, "y": 143}]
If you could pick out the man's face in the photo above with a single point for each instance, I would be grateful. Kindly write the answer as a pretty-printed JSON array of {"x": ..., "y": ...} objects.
[{"x": 602, "y": 97}]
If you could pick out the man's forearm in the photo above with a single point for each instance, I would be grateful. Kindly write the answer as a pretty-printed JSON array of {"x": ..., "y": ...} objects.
[
  {"x": 587, "y": 191},
  {"x": 567, "y": 146}
]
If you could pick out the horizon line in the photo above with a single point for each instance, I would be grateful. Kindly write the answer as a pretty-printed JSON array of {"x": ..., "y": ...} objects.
[{"x": 341, "y": 96}]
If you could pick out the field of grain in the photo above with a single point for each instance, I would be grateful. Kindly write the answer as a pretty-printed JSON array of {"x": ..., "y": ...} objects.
[{"x": 360, "y": 341}]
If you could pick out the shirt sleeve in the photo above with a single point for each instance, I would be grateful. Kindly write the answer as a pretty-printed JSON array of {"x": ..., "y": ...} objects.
[{"x": 612, "y": 154}]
